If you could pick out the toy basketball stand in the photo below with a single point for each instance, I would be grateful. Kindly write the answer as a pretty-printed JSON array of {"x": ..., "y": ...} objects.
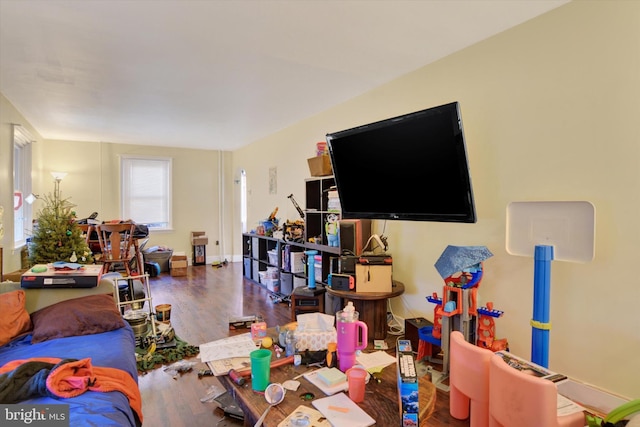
[{"x": 564, "y": 231}]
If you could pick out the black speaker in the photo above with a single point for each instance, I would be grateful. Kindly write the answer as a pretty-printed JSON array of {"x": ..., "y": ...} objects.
[
  {"x": 347, "y": 264},
  {"x": 354, "y": 234},
  {"x": 411, "y": 330}
]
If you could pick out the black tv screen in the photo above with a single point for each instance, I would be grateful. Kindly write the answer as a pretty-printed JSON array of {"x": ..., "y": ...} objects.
[{"x": 411, "y": 167}]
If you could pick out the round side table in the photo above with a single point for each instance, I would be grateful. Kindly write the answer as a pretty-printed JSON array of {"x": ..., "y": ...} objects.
[{"x": 372, "y": 307}]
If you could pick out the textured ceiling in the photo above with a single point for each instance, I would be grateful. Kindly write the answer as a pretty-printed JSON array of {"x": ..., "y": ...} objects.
[{"x": 220, "y": 74}]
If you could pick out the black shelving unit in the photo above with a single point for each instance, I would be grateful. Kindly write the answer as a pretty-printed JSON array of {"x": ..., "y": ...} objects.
[{"x": 256, "y": 248}]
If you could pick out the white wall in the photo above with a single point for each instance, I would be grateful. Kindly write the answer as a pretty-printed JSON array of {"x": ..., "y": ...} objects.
[
  {"x": 200, "y": 201},
  {"x": 549, "y": 110},
  {"x": 9, "y": 116},
  {"x": 93, "y": 184}
]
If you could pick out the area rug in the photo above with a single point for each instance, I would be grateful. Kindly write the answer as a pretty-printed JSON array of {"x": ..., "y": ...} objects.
[{"x": 149, "y": 359}]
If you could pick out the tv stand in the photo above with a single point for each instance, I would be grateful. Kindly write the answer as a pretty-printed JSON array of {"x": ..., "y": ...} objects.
[{"x": 372, "y": 307}]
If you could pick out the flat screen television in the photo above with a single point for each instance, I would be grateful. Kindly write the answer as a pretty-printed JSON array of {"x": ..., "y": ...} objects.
[{"x": 411, "y": 167}]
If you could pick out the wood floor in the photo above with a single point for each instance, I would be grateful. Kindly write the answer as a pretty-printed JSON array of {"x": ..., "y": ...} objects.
[{"x": 201, "y": 304}]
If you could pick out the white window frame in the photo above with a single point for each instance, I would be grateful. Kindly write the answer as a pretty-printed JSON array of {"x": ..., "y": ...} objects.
[
  {"x": 22, "y": 215},
  {"x": 243, "y": 200},
  {"x": 152, "y": 192}
]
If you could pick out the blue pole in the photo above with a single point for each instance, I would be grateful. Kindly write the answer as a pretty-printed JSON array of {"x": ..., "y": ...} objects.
[
  {"x": 311, "y": 269},
  {"x": 541, "y": 302}
]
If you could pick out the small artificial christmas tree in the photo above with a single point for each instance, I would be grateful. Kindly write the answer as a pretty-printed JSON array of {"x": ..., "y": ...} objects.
[{"x": 57, "y": 236}]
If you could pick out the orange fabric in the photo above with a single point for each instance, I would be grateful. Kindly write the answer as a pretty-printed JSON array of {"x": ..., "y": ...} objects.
[
  {"x": 74, "y": 378},
  {"x": 14, "y": 319}
]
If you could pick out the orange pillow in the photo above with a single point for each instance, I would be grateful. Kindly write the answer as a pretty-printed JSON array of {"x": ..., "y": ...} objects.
[{"x": 14, "y": 319}]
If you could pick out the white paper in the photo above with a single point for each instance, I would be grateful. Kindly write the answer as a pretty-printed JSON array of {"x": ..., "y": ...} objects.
[
  {"x": 342, "y": 411},
  {"x": 567, "y": 407},
  {"x": 223, "y": 366},
  {"x": 377, "y": 359},
  {"x": 595, "y": 400},
  {"x": 237, "y": 346}
]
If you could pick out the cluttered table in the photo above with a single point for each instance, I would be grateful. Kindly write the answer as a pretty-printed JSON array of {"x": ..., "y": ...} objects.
[{"x": 381, "y": 401}]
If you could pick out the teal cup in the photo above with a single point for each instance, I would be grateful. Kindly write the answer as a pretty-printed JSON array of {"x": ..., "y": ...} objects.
[{"x": 260, "y": 369}]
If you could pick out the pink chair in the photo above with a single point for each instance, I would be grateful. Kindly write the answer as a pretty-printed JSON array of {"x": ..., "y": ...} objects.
[
  {"x": 518, "y": 399},
  {"x": 468, "y": 380}
]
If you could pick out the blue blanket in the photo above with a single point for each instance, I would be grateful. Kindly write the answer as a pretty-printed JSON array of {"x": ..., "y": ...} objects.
[{"x": 114, "y": 349}]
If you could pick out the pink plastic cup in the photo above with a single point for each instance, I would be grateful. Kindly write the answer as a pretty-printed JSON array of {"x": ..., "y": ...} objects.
[{"x": 357, "y": 378}]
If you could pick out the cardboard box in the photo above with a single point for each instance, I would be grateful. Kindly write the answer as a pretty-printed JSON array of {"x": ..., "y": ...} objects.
[
  {"x": 408, "y": 392},
  {"x": 178, "y": 261},
  {"x": 198, "y": 238},
  {"x": 373, "y": 278},
  {"x": 178, "y": 265},
  {"x": 180, "y": 271},
  {"x": 320, "y": 166}
]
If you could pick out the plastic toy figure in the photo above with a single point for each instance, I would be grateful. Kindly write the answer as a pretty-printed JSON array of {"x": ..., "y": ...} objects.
[{"x": 331, "y": 229}]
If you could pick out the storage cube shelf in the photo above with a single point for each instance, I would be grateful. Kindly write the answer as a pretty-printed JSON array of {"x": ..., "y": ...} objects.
[
  {"x": 272, "y": 265},
  {"x": 317, "y": 208},
  {"x": 262, "y": 253}
]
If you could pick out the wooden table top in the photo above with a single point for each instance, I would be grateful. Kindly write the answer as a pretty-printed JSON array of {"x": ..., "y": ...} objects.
[{"x": 380, "y": 402}]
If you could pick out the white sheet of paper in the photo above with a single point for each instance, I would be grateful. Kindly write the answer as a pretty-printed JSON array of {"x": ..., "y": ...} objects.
[
  {"x": 567, "y": 407},
  {"x": 237, "y": 346},
  {"x": 342, "y": 411},
  {"x": 377, "y": 359}
]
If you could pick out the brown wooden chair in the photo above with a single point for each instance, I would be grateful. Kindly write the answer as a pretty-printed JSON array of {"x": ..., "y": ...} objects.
[
  {"x": 90, "y": 236},
  {"x": 116, "y": 245}
]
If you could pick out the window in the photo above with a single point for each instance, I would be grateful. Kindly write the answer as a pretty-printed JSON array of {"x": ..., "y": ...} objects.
[
  {"x": 22, "y": 212},
  {"x": 146, "y": 190}
]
